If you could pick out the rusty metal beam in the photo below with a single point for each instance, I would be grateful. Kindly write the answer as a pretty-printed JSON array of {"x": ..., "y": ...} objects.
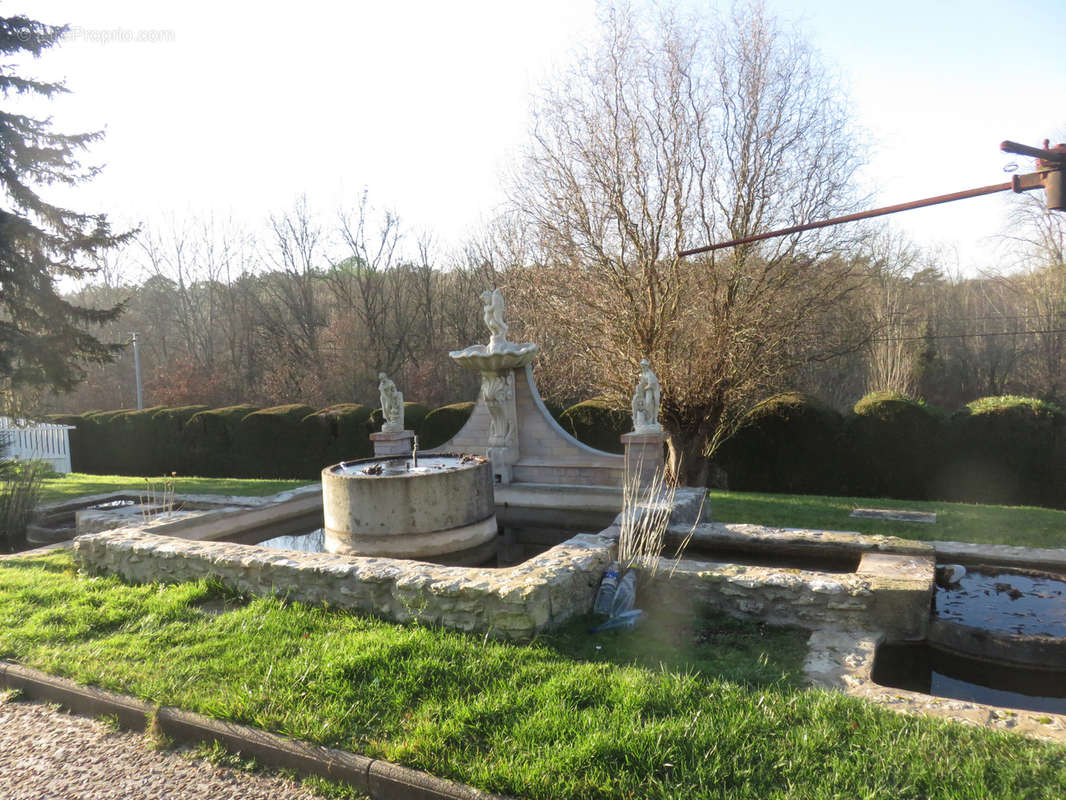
[
  {"x": 1047, "y": 154},
  {"x": 1027, "y": 182},
  {"x": 877, "y": 212}
]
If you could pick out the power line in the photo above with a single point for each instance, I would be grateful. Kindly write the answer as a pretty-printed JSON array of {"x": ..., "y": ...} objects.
[{"x": 967, "y": 335}]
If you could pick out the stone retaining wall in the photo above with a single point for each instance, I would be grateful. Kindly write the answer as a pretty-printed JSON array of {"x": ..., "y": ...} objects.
[
  {"x": 513, "y": 603},
  {"x": 890, "y": 590},
  {"x": 800, "y": 598}
]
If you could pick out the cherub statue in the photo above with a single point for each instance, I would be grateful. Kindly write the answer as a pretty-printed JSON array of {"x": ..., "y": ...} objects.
[
  {"x": 493, "y": 313},
  {"x": 391, "y": 404},
  {"x": 646, "y": 401}
]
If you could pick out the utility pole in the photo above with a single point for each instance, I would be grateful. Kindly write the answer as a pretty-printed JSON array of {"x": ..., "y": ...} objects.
[{"x": 137, "y": 369}]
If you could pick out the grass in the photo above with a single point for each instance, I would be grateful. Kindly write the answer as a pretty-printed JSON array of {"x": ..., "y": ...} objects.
[
  {"x": 74, "y": 485},
  {"x": 682, "y": 707},
  {"x": 959, "y": 522}
]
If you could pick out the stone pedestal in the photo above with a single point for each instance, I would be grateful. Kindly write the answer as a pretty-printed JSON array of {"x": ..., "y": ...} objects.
[
  {"x": 498, "y": 394},
  {"x": 388, "y": 444},
  {"x": 644, "y": 457}
]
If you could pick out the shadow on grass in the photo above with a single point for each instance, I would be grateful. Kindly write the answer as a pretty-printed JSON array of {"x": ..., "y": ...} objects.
[
  {"x": 48, "y": 563},
  {"x": 705, "y": 643}
]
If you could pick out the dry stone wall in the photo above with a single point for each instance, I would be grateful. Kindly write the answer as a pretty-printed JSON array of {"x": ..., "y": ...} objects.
[
  {"x": 890, "y": 590},
  {"x": 512, "y": 603}
]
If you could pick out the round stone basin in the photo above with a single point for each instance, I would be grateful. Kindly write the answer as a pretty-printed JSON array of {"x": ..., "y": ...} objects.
[
  {"x": 1003, "y": 615},
  {"x": 443, "y": 508}
]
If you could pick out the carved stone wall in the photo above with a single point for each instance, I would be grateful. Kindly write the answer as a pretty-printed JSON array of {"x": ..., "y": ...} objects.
[{"x": 546, "y": 452}]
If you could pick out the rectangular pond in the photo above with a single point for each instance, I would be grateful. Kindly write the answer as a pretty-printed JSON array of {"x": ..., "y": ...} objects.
[{"x": 917, "y": 667}]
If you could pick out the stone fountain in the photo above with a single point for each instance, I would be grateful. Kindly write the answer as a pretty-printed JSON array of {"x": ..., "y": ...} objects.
[
  {"x": 439, "y": 507},
  {"x": 441, "y": 510},
  {"x": 497, "y": 362}
]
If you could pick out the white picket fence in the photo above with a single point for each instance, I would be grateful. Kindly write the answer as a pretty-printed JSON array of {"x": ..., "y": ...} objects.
[{"x": 19, "y": 439}]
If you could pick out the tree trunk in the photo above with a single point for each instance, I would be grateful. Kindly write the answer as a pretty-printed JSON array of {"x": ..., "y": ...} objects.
[{"x": 685, "y": 459}]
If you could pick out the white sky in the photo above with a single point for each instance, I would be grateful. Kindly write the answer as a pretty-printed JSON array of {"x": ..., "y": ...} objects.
[{"x": 249, "y": 105}]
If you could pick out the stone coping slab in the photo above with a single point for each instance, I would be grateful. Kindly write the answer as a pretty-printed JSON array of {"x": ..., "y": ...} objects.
[
  {"x": 843, "y": 660},
  {"x": 1001, "y": 555},
  {"x": 766, "y": 537}
]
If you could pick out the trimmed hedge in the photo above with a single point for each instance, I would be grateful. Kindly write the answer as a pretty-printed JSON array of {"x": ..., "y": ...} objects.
[
  {"x": 1008, "y": 450},
  {"x": 174, "y": 453},
  {"x": 414, "y": 414},
  {"x": 97, "y": 440},
  {"x": 441, "y": 424},
  {"x": 596, "y": 424},
  {"x": 212, "y": 438},
  {"x": 337, "y": 433},
  {"x": 895, "y": 444},
  {"x": 269, "y": 443},
  {"x": 132, "y": 442},
  {"x": 555, "y": 409},
  {"x": 791, "y": 442}
]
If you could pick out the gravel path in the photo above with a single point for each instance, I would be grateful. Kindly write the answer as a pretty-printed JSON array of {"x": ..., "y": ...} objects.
[{"x": 48, "y": 755}]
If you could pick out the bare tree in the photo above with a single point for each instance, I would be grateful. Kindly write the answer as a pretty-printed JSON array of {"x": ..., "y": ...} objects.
[
  {"x": 892, "y": 355},
  {"x": 1038, "y": 241},
  {"x": 673, "y": 133}
]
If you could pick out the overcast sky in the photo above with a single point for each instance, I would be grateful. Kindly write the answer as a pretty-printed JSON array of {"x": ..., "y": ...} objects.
[{"x": 237, "y": 108}]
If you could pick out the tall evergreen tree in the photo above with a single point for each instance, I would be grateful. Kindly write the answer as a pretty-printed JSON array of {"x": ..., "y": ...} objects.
[{"x": 44, "y": 339}]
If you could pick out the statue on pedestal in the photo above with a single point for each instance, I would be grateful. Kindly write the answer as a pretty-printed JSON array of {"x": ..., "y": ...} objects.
[
  {"x": 391, "y": 404},
  {"x": 498, "y": 393},
  {"x": 493, "y": 314},
  {"x": 646, "y": 401}
]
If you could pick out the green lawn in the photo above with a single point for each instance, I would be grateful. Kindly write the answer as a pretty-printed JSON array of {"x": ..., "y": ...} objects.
[
  {"x": 960, "y": 522},
  {"x": 73, "y": 485},
  {"x": 957, "y": 522},
  {"x": 697, "y": 708}
]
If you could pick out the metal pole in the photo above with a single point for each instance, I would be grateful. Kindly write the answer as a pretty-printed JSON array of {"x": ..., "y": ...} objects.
[
  {"x": 137, "y": 369},
  {"x": 877, "y": 212}
]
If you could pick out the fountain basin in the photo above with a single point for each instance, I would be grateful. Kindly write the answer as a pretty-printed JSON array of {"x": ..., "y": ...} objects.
[
  {"x": 442, "y": 508},
  {"x": 483, "y": 359},
  {"x": 1003, "y": 615}
]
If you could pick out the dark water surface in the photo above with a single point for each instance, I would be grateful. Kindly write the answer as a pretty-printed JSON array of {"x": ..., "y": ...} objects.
[
  {"x": 1007, "y": 601},
  {"x": 920, "y": 668}
]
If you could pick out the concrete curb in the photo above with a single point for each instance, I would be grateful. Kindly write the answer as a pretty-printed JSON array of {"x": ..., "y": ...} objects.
[
  {"x": 380, "y": 780},
  {"x": 1001, "y": 555}
]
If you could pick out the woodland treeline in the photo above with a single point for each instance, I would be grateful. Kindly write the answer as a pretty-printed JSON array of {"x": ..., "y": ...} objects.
[{"x": 310, "y": 310}]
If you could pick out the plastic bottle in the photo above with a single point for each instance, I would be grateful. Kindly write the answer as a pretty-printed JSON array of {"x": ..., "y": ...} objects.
[
  {"x": 625, "y": 595},
  {"x": 605, "y": 595},
  {"x": 627, "y": 619}
]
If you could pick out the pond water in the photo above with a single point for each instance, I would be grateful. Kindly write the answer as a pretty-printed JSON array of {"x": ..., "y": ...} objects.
[
  {"x": 921, "y": 668},
  {"x": 406, "y": 466},
  {"x": 509, "y": 552},
  {"x": 1007, "y": 601},
  {"x": 516, "y": 545},
  {"x": 111, "y": 505}
]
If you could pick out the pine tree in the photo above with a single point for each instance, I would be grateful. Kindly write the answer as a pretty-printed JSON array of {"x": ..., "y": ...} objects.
[{"x": 44, "y": 339}]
